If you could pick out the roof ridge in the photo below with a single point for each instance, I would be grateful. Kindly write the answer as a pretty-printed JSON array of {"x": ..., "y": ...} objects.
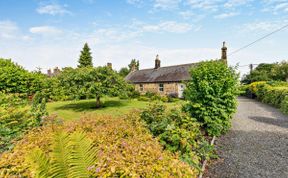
[{"x": 170, "y": 66}]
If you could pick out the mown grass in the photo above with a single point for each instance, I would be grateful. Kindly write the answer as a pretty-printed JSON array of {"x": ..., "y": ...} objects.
[{"x": 70, "y": 110}]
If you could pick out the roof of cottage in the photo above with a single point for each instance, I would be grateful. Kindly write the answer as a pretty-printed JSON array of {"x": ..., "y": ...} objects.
[{"x": 175, "y": 73}]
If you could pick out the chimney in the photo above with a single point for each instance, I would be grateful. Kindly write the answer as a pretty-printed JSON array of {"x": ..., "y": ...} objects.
[
  {"x": 133, "y": 68},
  {"x": 109, "y": 65},
  {"x": 224, "y": 53},
  {"x": 157, "y": 62},
  {"x": 49, "y": 73},
  {"x": 56, "y": 71}
]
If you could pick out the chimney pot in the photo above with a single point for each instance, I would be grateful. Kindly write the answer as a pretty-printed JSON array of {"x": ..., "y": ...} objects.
[
  {"x": 109, "y": 65},
  {"x": 224, "y": 53},
  {"x": 157, "y": 62}
]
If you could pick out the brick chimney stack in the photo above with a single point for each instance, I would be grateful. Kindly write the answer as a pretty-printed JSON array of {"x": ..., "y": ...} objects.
[
  {"x": 224, "y": 53},
  {"x": 49, "y": 73},
  {"x": 109, "y": 65},
  {"x": 157, "y": 62}
]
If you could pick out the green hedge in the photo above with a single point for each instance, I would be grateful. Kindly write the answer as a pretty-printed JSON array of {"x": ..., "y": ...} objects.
[{"x": 274, "y": 93}]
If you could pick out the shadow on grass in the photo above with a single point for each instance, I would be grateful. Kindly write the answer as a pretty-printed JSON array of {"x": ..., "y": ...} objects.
[{"x": 82, "y": 106}]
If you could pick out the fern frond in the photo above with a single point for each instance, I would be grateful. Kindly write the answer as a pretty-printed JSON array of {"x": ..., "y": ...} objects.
[
  {"x": 82, "y": 155},
  {"x": 60, "y": 155},
  {"x": 39, "y": 163}
]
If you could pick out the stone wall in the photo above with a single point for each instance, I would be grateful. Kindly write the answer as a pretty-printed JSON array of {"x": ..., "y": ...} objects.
[{"x": 154, "y": 87}]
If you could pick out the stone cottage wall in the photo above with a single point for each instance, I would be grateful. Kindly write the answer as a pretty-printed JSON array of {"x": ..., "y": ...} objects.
[{"x": 154, "y": 87}]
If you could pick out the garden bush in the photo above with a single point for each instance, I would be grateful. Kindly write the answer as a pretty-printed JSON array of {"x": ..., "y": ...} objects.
[
  {"x": 212, "y": 93},
  {"x": 16, "y": 117},
  {"x": 150, "y": 96},
  {"x": 125, "y": 148},
  {"x": 274, "y": 93},
  {"x": 178, "y": 133}
]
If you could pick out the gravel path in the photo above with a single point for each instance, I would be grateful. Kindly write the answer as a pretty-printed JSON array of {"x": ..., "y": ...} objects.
[{"x": 256, "y": 146}]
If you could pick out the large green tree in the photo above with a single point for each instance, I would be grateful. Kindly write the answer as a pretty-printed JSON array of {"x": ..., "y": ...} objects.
[
  {"x": 92, "y": 83},
  {"x": 85, "y": 59},
  {"x": 267, "y": 72}
]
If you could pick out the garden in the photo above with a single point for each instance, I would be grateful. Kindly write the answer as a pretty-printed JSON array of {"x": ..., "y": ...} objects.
[{"x": 88, "y": 122}]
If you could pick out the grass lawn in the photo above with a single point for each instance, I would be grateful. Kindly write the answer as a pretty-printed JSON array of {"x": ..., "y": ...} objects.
[{"x": 69, "y": 110}]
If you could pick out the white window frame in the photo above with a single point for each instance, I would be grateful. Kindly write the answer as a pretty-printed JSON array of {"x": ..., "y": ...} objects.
[{"x": 161, "y": 88}]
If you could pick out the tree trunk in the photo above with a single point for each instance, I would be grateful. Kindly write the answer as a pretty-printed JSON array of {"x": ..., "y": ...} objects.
[{"x": 98, "y": 102}]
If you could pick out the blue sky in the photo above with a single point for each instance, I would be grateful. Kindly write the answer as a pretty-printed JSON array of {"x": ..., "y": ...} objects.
[{"x": 50, "y": 33}]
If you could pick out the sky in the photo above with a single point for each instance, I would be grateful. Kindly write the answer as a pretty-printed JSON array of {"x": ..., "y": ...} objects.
[{"x": 51, "y": 33}]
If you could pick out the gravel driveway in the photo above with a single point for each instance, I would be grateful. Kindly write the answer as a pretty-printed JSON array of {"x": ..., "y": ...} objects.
[{"x": 256, "y": 146}]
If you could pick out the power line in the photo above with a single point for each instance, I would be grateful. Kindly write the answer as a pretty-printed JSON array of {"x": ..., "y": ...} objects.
[{"x": 269, "y": 34}]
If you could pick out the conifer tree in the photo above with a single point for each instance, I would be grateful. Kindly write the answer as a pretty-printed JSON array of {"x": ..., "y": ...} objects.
[{"x": 85, "y": 59}]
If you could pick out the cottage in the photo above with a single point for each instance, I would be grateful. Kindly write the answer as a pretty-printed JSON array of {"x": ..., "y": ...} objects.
[{"x": 169, "y": 80}]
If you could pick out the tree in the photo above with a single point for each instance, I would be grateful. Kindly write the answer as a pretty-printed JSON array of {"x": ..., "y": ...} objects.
[
  {"x": 15, "y": 79},
  {"x": 70, "y": 156},
  {"x": 85, "y": 59},
  {"x": 211, "y": 93},
  {"x": 124, "y": 71},
  {"x": 92, "y": 83},
  {"x": 267, "y": 72},
  {"x": 134, "y": 63}
]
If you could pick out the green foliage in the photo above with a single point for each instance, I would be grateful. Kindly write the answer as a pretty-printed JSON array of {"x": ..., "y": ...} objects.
[
  {"x": 177, "y": 132},
  {"x": 70, "y": 156},
  {"x": 16, "y": 118},
  {"x": 274, "y": 93},
  {"x": 123, "y": 147},
  {"x": 268, "y": 72},
  {"x": 82, "y": 83},
  {"x": 150, "y": 96},
  {"x": 211, "y": 93},
  {"x": 15, "y": 79},
  {"x": 124, "y": 71},
  {"x": 134, "y": 63},
  {"x": 85, "y": 59},
  {"x": 38, "y": 108}
]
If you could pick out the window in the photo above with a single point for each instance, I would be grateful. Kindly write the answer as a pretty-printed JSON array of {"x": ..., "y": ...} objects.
[
  {"x": 141, "y": 87},
  {"x": 161, "y": 87}
]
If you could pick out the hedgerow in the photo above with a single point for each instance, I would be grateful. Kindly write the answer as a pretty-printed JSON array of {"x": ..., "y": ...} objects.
[
  {"x": 212, "y": 93},
  {"x": 125, "y": 148},
  {"x": 274, "y": 93}
]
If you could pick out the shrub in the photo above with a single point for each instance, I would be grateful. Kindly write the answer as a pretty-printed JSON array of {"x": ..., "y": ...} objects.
[
  {"x": 274, "y": 93},
  {"x": 284, "y": 105},
  {"x": 16, "y": 118},
  {"x": 211, "y": 93},
  {"x": 177, "y": 132},
  {"x": 143, "y": 98},
  {"x": 124, "y": 147},
  {"x": 71, "y": 156}
]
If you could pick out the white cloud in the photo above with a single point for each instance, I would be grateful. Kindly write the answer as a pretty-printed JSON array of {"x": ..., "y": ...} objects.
[
  {"x": 212, "y": 5},
  {"x": 166, "y": 4},
  {"x": 226, "y": 15},
  {"x": 275, "y": 6},
  {"x": 52, "y": 9},
  {"x": 8, "y": 29},
  {"x": 235, "y": 3},
  {"x": 168, "y": 26},
  {"x": 135, "y": 2},
  {"x": 45, "y": 30},
  {"x": 267, "y": 26}
]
